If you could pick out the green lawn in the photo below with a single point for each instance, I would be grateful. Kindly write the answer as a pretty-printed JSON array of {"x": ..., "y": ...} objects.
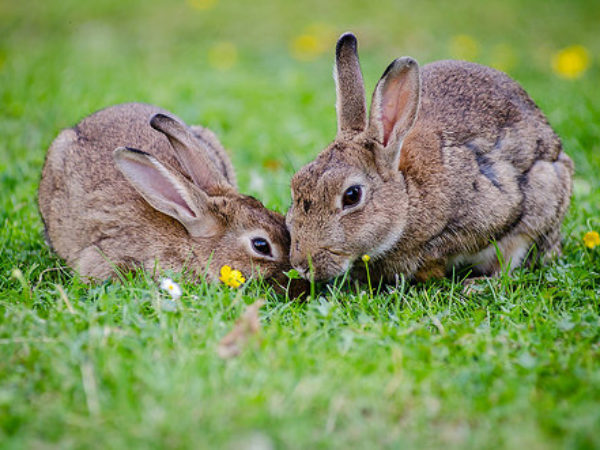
[{"x": 515, "y": 363}]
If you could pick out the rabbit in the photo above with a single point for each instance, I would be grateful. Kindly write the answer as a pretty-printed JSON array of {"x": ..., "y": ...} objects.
[
  {"x": 454, "y": 165},
  {"x": 132, "y": 186}
]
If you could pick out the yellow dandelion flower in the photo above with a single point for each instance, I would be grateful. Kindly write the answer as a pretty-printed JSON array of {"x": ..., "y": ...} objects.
[
  {"x": 464, "y": 47},
  {"x": 230, "y": 277},
  {"x": 201, "y": 5},
  {"x": 366, "y": 258},
  {"x": 315, "y": 40},
  {"x": 222, "y": 55},
  {"x": 305, "y": 47},
  {"x": 571, "y": 62},
  {"x": 591, "y": 239}
]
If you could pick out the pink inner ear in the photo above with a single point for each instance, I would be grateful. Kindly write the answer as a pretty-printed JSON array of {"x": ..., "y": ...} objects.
[
  {"x": 395, "y": 107},
  {"x": 156, "y": 182}
]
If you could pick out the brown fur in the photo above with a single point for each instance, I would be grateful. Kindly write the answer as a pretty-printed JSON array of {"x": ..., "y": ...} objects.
[
  {"x": 97, "y": 220},
  {"x": 464, "y": 158}
]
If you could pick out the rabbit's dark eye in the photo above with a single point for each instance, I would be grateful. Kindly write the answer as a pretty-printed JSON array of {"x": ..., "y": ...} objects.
[
  {"x": 261, "y": 246},
  {"x": 351, "y": 196}
]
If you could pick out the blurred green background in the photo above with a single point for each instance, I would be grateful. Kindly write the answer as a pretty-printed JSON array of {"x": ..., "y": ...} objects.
[
  {"x": 514, "y": 365},
  {"x": 259, "y": 73}
]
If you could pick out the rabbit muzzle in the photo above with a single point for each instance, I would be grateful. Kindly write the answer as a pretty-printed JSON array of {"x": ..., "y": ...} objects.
[{"x": 320, "y": 265}]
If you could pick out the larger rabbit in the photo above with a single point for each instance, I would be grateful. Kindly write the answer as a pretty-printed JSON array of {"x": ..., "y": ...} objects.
[
  {"x": 131, "y": 186},
  {"x": 454, "y": 163}
]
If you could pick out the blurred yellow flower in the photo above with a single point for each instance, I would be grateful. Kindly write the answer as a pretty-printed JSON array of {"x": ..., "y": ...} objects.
[
  {"x": 222, "y": 55},
  {"x": 464, "y": 47},
  {"x": 315, "y": 40},
  {"x": 306, "y": 47},
  {"x": 232, "y": 278},
  {"x": 366, "y": 258},
  {"x": 591, "y": 239},
  {"x": 571, "y": 62},
  {"x": 202, "y": 5}
]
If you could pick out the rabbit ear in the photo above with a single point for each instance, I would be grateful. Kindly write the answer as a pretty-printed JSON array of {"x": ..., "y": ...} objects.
[
  {"x": 395, "y": 106},
  {"x": 351, "y": 104},
  {"x": 166, "y": 191},
  {"x": 190, "y": 153}
]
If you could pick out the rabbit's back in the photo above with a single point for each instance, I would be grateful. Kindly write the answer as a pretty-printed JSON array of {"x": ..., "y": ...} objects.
[
  {"x": 85, "y": 201},
  {"x": 465, "y": 102},
  {"x": 493, "y": 165},
  {"x": 124, "y": 125}
]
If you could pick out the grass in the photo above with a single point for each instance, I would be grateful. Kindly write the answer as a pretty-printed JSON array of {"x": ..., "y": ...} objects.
[{"x": 514, "y": 363}]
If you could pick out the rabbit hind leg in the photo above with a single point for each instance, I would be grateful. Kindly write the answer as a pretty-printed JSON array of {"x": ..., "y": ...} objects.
[{"x": 546, "y": 190}]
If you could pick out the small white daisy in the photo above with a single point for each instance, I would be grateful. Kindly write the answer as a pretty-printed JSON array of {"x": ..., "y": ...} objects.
[{"x": 171, "y": 287}]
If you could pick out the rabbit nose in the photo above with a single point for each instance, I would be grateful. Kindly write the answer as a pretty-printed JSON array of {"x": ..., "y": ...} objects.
[
  {"x": 303, "y": 271},
  {"x": 300, "y": 263}
]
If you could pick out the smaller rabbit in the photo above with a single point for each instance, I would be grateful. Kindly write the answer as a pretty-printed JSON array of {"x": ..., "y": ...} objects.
[
  {"x": 131, "y": 186},
  {"x": 454, "y": 163}
]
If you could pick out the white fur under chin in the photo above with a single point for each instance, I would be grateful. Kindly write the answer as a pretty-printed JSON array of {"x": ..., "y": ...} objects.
[
  {"x": 387, "y": 244},
  {"x": 346, "y": 266}
]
